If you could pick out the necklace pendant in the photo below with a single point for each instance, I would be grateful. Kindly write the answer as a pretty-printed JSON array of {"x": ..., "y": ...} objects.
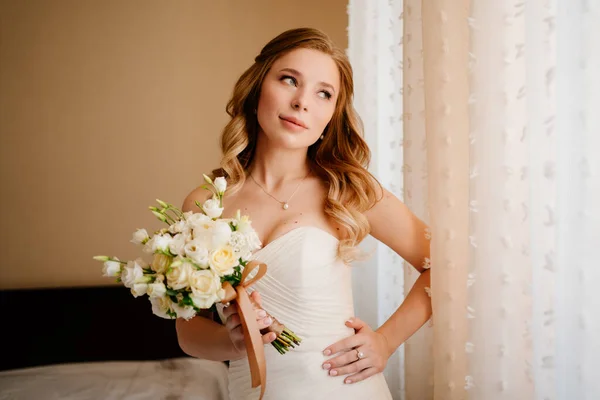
[{"x": 285, "y": 206}]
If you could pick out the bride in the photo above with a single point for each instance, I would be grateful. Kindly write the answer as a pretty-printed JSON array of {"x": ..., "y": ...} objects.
[{"x": 296, "y": 163}]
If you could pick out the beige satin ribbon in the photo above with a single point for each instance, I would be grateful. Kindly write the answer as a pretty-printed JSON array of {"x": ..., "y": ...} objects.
[{"x": 252, "y": 335}]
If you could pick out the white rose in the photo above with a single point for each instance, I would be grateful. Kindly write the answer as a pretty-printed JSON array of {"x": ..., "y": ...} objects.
[
  {"x": 204, "y": 302},
  {"x": 201, "y": 258},
  {"x": 206, "y": 288},
  {"x": 161, "y": 306},
  {"x": 177, "y": 277},
  {"x": 139, "y": 289},
  {"x": 133, "y": 273},
  {"x": 140, "y": 237},
  {"x": 177, "y": 244},
  {"x": 111, "y": 268},
  {"x": 221, "y": 233},
  {"x": 197, "y": 252},
  {"x": 223, "y": 260},
  {"x": 221, "y": 184},
  {"x": 185, "y": 312},
  {"x": 212, "y": 208},
  {"x": 156, "y": 289},
  {"x": 161, "y": 242}
]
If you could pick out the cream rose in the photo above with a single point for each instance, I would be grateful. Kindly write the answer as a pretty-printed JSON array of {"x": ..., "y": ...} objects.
[
  {"x": 185, "y": 312},
  {"x": 177, "y": 277},
  {"x": 156, "y": 289},
  {"x": 161, "y": 306},
  {"x": 223, "y": 260},
  {"x": 161, "y": 262},
  {"x": 139, "y": 289},
  {"x": 206, "y": 288}
]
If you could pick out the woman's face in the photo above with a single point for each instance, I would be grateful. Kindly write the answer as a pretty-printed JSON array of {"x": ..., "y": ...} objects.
[{"x": 298, "y": 98}]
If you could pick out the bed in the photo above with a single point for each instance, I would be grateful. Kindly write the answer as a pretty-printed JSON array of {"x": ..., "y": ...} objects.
[{"x": 96, "y": 343}]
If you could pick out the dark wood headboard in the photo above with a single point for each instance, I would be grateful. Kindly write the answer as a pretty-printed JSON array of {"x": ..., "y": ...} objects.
[{"x": 53, "y": 326}]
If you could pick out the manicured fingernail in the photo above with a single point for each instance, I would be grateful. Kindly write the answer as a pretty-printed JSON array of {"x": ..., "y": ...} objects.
[
  {"x": 327, "y": 352},
  {"x": 333, "y": 372},
  {"x": 349, "y": 320},
  {"x": 268, "y": 321},
  {"x": 262, "y": 313},
  {"x": 326, "y": 366},
  {"x": 348, "y": 381}
]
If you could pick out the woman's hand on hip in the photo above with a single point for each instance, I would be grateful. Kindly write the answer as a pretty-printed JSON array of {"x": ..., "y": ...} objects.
[{"x": 363, "y": 355}]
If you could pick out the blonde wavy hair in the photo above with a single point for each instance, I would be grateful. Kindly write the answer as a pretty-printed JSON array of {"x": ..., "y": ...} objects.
[{"x": 341, "y": 159}]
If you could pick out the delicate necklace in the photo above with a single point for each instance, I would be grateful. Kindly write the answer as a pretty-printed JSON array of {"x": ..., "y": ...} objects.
[{"x": 284, "y": 204}]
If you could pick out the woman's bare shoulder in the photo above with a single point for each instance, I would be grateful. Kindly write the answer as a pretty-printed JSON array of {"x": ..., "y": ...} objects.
[{"x": 199, "y": 194}]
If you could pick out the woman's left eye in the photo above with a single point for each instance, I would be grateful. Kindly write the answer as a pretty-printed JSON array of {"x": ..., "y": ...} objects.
[{"x": 325, "y": 94}]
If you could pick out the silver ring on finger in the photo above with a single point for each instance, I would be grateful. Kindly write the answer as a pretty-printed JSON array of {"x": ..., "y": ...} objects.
[{"x": 359, "y": 355}]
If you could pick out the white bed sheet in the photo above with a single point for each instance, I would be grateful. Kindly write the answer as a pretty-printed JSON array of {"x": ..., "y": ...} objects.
[{"x": 173, "y": 379}]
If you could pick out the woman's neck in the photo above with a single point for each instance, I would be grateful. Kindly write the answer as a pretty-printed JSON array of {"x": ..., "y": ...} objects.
[{"x": 274, "y": 167}]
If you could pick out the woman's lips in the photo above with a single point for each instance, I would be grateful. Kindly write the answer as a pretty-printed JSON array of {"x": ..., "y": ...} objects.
[{"x": 291, "y": 124}]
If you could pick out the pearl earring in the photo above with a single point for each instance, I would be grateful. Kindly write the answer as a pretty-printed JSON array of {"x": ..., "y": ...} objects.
[{"x": 322, "y": 137}]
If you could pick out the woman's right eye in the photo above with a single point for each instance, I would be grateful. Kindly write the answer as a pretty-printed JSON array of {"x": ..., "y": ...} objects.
[{"x": 290, "y": 80}]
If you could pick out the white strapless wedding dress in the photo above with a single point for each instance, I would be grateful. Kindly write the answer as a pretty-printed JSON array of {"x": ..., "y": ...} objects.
[{"x": 308, "y": 289}]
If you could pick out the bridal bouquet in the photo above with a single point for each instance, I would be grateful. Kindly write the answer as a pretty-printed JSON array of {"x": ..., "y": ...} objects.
[{"x": 199, "y": 260}]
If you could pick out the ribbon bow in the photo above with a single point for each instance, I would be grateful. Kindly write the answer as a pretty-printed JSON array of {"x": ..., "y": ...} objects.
[{"x": 252, "y": 335}]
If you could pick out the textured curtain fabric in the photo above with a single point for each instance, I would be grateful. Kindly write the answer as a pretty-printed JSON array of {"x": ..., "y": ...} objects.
[{"x": 484, "y": 117}]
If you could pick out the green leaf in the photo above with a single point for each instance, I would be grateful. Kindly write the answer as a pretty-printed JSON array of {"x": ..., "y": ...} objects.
[
  {"x": 187, "y": 300},
  {"x": 171, "y": 292}
]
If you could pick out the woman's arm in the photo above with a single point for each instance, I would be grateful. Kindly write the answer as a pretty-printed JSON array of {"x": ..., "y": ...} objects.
[
  {"x": 201, "y": 337},
  {"x": 366, "y": 352},
  {"x": 395, "y": 225}
]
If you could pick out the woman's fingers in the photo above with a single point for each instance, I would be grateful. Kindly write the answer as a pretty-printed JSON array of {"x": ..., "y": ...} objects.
[
  {"x": 269, "y": 337},
  {"x": 229, "y": 310},
  {"x": 264, "y": 323},
  {"x": 233, "y": 322},
  {"x": 256, "y": 297}
]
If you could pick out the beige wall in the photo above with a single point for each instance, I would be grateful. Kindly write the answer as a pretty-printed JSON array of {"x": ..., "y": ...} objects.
[{"x": 107, "y": 105}]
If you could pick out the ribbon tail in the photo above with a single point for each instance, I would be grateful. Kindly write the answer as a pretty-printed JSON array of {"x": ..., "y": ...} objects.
[{"x": 253, "y": 340}]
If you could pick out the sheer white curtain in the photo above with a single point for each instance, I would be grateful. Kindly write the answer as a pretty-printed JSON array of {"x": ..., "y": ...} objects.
[{"x": 484, "y": 118}]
